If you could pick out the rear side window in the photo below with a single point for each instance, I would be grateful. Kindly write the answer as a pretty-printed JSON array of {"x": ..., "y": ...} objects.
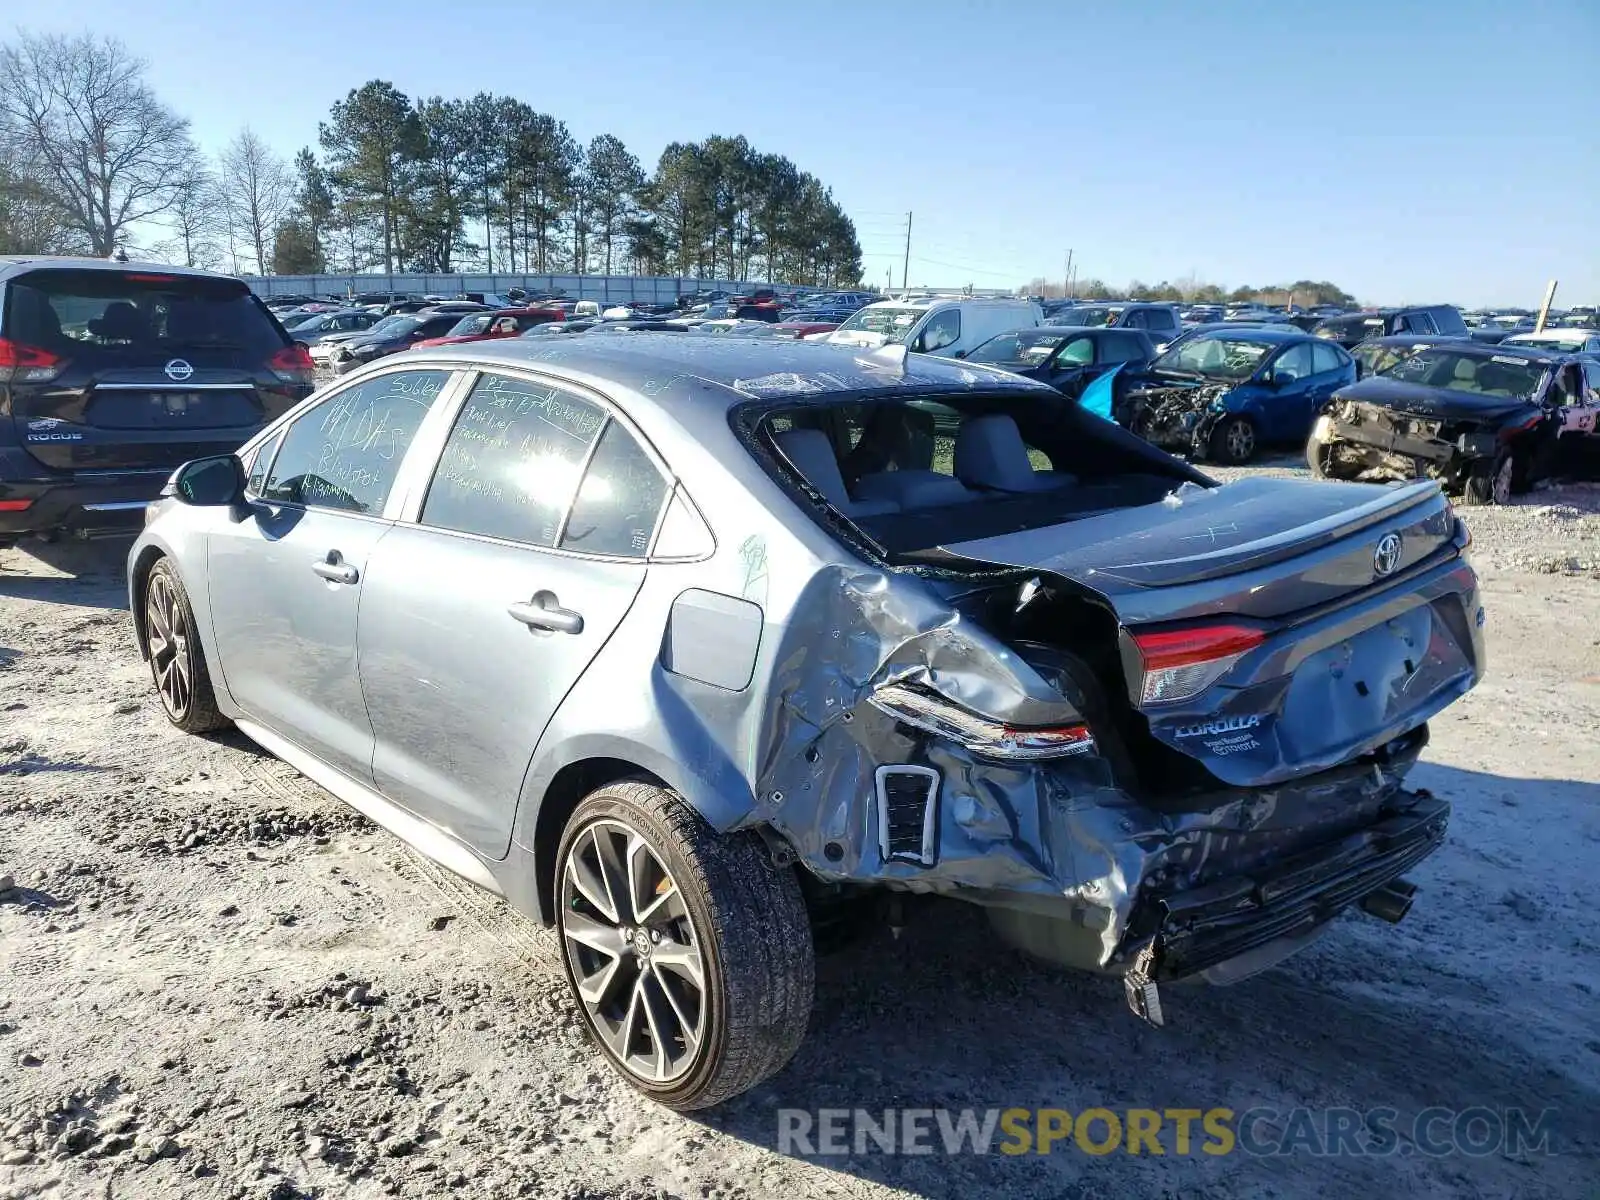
[
  {"x": 620, "y": 498},
  {"x": 1448, "y": 321},
  {"x": 511, "y": 465},
  {"x": 140, "y": 318},
  {"x": 345, "y": 453}
]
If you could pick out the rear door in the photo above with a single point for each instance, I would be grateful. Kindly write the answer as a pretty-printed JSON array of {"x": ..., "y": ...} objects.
[
  {"x": 129, "y": 369},
  {"x": 286, "y": 582},
  {"x": 1330, "y": 370},
  {"x": 526, "y": 550}
]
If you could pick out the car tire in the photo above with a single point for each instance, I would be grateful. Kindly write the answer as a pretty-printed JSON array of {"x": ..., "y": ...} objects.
[
  {"x": 1489, "y": 482},
  {"x": 1234, "y": 441},
  {"x": 1319, "y": 457},
  {"x": 177, "y": 659},
  {"x": 722, "y": 910}
]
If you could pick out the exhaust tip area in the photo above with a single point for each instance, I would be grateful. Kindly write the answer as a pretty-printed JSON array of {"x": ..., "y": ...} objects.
[{"x": 1390, "y": 902}]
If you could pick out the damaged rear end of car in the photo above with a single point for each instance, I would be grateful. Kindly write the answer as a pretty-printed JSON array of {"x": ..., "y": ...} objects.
[{"x": 1156, "y": 727}]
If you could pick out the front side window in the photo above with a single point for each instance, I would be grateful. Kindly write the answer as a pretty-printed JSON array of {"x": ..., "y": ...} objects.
[
  {"x": 511, "y": 465},
  {"x": 1079, "y": 352},
  {"x": 345, "y": 453},
  {"x": 259, "y": 464},
  {"x": 943, "y": 329},
  {"x": 1293, "y": 364}
]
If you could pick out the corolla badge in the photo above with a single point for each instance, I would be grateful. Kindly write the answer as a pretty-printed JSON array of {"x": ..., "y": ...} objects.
[
  {"x": 177, "y": 370},
  {"x": 1387, "y": 556}
]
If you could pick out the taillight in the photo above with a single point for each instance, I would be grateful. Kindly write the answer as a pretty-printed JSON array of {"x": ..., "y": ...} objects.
[
  {"x": 29, "y": 364},
  {"x": 1181, "y": 663},
  {"x": 15, "y": 505},
  {"x": 991, "y": 739},
  {"x": 293, "y": 364}
]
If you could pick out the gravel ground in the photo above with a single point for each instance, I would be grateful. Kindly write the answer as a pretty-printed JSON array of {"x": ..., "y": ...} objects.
[{"x": 219, "y": 982}]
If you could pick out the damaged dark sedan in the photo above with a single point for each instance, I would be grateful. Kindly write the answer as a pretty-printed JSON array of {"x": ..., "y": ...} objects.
[
  {"x": 1223, "y": 395},
  {"x": 1486, "y": 422},
  {"x": 692, "y": 646}
]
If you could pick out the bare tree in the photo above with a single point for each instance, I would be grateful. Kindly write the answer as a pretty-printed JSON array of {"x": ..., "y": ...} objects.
[
  {"x": 195, "y": 219},
  {"x": 258, "y": 193},
  {"x": 78, "y": 112}
]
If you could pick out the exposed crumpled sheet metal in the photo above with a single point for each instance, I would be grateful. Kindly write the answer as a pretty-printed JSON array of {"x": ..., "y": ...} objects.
[
  {"x": 1175, "y": 416},
  {"x": 1057, "y": 836}
]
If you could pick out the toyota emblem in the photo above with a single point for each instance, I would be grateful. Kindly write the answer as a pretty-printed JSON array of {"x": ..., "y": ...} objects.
[
  {"x": 178, "y": 370},
  {"x": 1387, "y": 556}
]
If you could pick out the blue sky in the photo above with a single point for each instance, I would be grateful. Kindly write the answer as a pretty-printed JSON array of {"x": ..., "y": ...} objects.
[{"x": 1406, "y": 151}]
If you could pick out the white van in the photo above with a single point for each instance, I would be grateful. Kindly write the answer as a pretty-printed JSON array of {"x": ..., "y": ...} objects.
[{"x": 946, "y": 326}]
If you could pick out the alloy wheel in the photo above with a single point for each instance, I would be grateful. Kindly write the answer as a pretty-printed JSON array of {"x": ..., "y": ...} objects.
[
  {"x": 168, "y": 635},
  {"x": 634, "y": 952},
  {"x": 1240, "y": 440}
]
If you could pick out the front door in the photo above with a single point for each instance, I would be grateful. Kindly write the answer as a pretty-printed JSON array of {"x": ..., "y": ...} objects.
[
  {"x": 478, "y": 617},
  {"x": 286, "y": 581},
  {"x": 1287, "y": 409}
]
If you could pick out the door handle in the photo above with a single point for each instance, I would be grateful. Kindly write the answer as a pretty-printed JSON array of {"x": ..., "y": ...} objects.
[
  {"x": 543, "y": 613},
  {"x": 334, "y": 569}
]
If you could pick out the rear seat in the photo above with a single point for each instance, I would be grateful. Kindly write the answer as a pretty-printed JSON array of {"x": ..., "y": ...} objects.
[
  {"x": 913, "y": 489},
  {"x": 810, "y": 453},
  {"x": 991, "y": 456}
]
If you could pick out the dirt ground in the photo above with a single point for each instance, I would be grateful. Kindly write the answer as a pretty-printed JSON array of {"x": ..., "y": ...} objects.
[{"x": 216, "y": 981}]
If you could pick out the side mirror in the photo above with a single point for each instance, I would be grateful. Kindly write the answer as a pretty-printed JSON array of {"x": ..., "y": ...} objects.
[{"x": 210, "y": 482}]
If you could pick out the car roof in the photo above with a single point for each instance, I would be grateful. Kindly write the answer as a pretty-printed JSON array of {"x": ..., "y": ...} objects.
[
  {"x": 1577, "y": 331},
  {"x": 16, "y": 264},
  {"x": 749, "y": 368},
  {"x": 1261, "y": 333},
  {"x": 1414, "y": 339}
]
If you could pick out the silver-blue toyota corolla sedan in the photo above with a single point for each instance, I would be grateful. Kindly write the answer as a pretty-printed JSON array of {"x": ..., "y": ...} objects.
[{"x": 686, "y": 644}]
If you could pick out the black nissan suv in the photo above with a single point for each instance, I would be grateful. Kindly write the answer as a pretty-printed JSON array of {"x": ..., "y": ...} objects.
[{"x": 112, "y": 374}]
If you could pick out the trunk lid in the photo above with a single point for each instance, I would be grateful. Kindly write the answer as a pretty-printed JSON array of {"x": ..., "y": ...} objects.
[
  {"x": 1353, "y": 642},
  {"x": 1259, "y": 547}
]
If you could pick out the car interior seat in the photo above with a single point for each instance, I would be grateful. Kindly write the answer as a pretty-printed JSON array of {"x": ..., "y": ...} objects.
[
  {"x": 894, "y": 461},
  {"x": 990, "y": 455},
  {"x": 121, "y": 322},
  {"x": 811, "y": 453}
]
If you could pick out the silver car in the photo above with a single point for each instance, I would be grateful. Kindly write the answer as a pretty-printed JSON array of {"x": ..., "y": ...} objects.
[{"x": 689, "y": 644}]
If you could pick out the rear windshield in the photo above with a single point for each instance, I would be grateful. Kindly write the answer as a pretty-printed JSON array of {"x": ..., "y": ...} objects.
[
  {"x": 1482, "y": 375},
  {"x": 915, "y": 474},
  {"x": 1084, "y": 314},
  {"x": 111, "y": 314},
  {"x": 1356, "y": 326}
]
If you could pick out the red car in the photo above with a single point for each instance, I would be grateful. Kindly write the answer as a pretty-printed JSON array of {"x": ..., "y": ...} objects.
[
  {"x": 800, "y": 329},
  {"x": 497, "y": 323}
]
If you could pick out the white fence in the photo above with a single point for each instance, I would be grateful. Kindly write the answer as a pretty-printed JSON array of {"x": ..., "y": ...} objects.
[{"x": 658, "y": 289}]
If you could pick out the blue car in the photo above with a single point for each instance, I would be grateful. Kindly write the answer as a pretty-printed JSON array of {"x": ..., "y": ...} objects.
[{"x": 1223, "y": 394}]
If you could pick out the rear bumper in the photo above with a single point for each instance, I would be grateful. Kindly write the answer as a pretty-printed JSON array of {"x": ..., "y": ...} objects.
[
  {"x": 89, "y": 502},
  {"x": 1221, "y": 922}
]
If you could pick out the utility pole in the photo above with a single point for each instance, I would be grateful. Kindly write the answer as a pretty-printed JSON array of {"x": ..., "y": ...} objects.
[
  {"x": 905, "y": 269},
  {"x": 1066, "y": 276}
]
